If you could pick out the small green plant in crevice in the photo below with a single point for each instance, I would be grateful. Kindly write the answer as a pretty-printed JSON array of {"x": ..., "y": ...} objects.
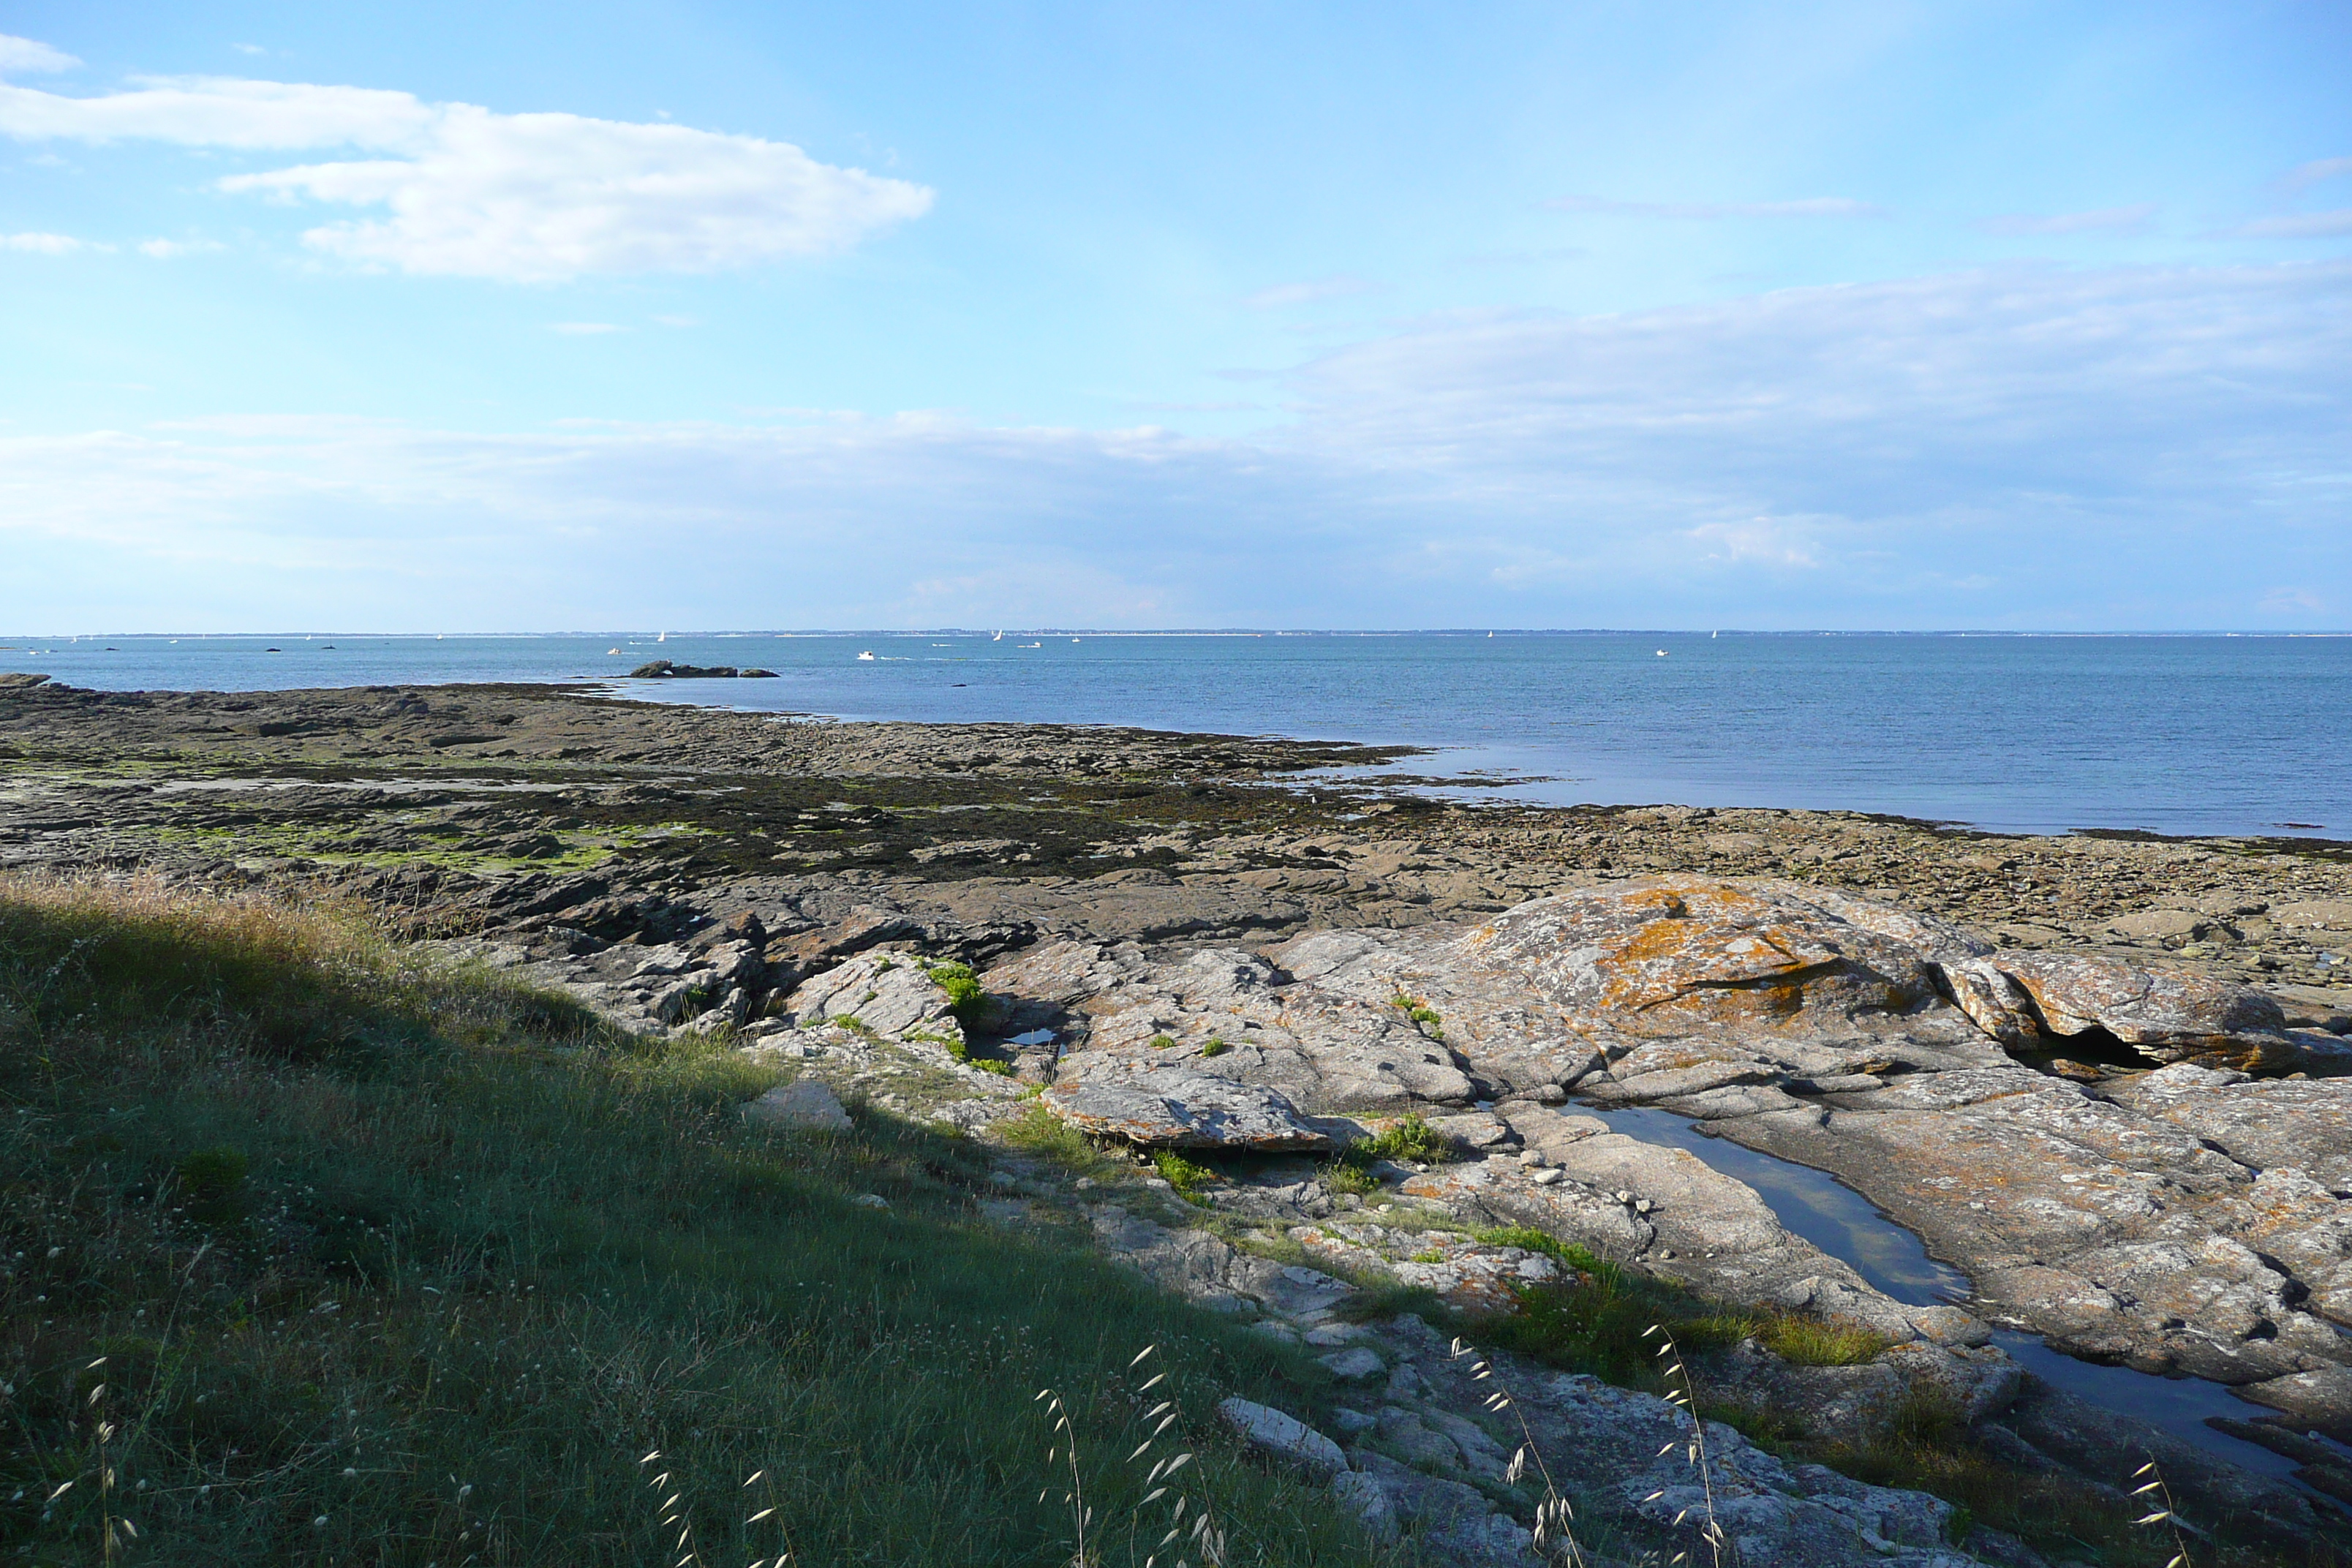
[
  {"x": 1216, "y": 1048},
  {"x": 966, "y": 999},
  {"x": 1341, "y": 1175},
  {"x": 1187, "y": 1177},
  {"x": 1424, "y": 1018},
  {"x": 962, "y": 1052},
  {"x": 1409, "y": 1137},
  {"x": 1163, "y": 1042}
]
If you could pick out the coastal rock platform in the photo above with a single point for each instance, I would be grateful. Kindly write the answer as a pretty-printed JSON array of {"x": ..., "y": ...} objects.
[{"x": 2102, "y": 1077}]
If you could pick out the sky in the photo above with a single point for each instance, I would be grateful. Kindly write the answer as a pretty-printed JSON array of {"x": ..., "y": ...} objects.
[{"x": 504, "y": 317}]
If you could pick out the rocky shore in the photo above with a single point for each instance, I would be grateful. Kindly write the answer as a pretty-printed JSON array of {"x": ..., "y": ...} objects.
[{"x": 2103, "y": 1076}]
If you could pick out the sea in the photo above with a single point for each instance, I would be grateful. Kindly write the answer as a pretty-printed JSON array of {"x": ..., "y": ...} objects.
[{"x": 2244, "y": 735}]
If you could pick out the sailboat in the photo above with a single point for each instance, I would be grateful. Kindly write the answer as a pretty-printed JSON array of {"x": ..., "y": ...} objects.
[{"x": 998, "y": 637}]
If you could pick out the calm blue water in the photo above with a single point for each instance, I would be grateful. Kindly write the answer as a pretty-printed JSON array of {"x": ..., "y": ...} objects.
[{"x": 2180, "y": 734}]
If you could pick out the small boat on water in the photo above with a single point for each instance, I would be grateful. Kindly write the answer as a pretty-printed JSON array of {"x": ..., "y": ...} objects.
[{"x": 865, "y": 658}]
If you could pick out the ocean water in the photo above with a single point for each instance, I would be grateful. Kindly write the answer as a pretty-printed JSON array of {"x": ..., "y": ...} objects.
[{"x": 2216, "y": 734}]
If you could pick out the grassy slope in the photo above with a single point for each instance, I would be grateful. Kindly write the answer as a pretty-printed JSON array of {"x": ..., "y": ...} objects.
[{"x": 393, "y": 1266}]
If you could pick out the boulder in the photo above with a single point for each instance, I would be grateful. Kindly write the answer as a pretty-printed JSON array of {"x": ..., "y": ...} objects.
[
  {"x": 890, "y": 994},
  {"x": 1171, "y": 1109},
  {"x": 1670, "y": 955},
  {"x": 2170, "y": 1014}
]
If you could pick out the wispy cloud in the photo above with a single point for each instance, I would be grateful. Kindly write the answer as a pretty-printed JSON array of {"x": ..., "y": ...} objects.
[
  {"x": 2306, "y": 175},
  {"x": 166, "y": 250},
  {"x": 1283, "y": 295},
  {"x": 2296, "y": 226},
  {"x": 23, "y": 57},
  {"x": 1808, "y": 207},
  {"x": 2110, "y": 220},
  {"x": 470, "y": 192},
  {"x": 46, "y": 244},
  {"x": 584, "y": 329},
  {"x": 1986, "y": 449}
]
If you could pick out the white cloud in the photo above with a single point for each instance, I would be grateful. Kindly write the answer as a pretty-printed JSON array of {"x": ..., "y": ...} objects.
[
  {"x": 1306, "y": 294},
  {"x": 1808, "y": 206},
  {"x": 45, "y": 244},
  {"x": 2297, "y": 225},
  {"x": 249, "y": 48},
  {"x": 24, "y": 55},
  {"x": 583, "y": 328},
  {"x": 473, "y": 193},
  {"x": 166, "y": 250},
  {"x": 2121, "y": 220},
  {"x": 2020, "y": 447},
  {"x": 223, "y": 112}
]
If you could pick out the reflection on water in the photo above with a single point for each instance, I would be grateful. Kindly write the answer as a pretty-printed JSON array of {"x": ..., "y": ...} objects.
[
  {"x": 1850, "y": 1228},
  {"x": 2175, "y": 1405},
  {"x": 1813, "y": 1204}
]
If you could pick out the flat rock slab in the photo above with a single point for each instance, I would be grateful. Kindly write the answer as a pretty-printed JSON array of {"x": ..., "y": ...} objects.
[
  {"x": 805, "y": 1104},
  {"x": 1175, "y": 1110},
  {"x": 1282, "y": 1437}
]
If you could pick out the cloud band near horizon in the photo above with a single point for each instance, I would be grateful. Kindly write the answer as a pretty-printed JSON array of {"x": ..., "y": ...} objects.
[{"x": 2141, "y": 449}]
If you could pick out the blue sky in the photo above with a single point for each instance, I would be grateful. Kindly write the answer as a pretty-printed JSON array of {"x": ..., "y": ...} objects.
[{"x": 433, "y": 317}]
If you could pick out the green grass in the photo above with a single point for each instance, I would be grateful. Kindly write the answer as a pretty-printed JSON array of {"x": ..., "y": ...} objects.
[
  {"x": 1600, "y": 1326},
  {"x": 359, "y": 1260}
]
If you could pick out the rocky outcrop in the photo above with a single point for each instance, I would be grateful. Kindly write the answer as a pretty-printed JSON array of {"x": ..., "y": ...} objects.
[
  {"x": 662, "y": 669},
  {"x": 2181, "y": 1220}
]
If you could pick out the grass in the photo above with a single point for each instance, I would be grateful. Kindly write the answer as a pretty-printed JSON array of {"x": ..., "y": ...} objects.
[{"x": 353, "y": 1259}]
